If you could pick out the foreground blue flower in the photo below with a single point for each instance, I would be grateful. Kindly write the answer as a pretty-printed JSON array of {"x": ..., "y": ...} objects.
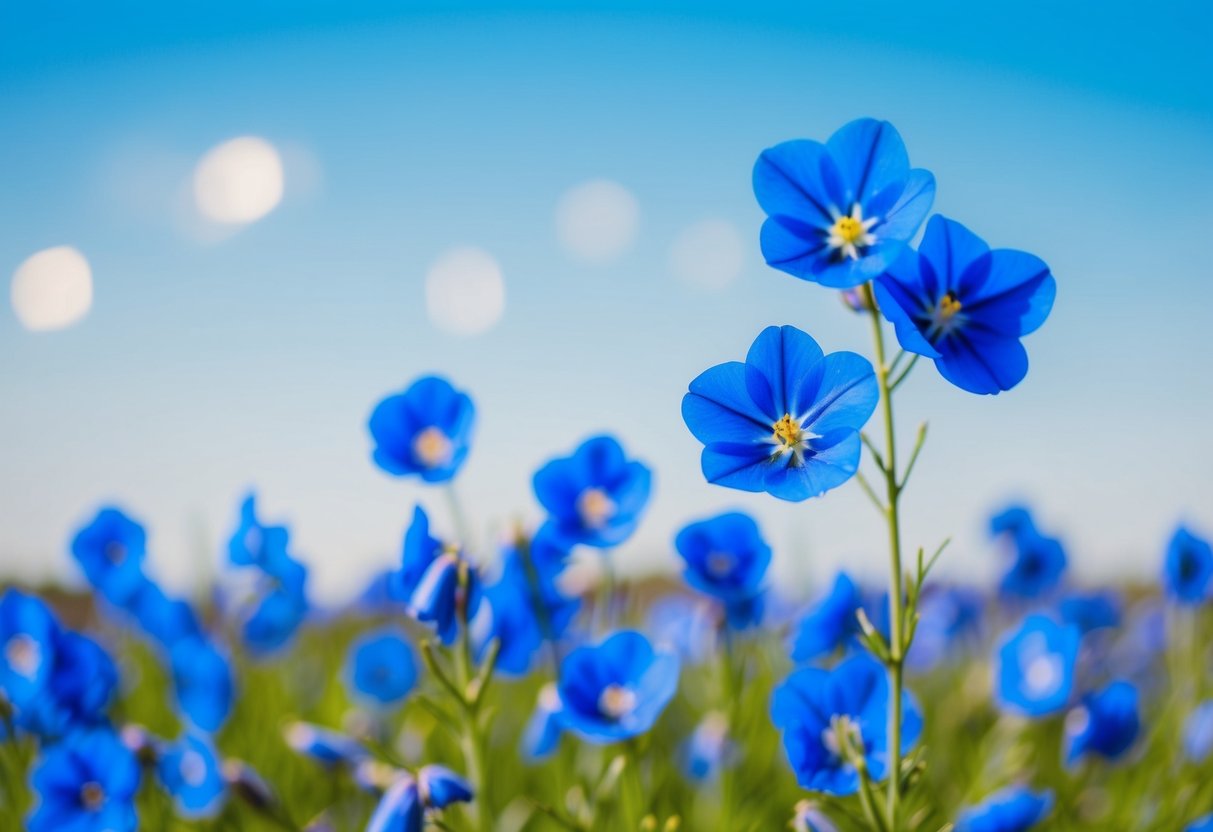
[
  {"x": 786, "y": 421},
  {"x": 615, "y": 689},
  {"x": 190, "y": 771},
  {"x": 1034, "y": 670},
  {"x": 839, "y": 213},
  {"x": 727, "y": 559},
  {"x": 823, "y": 712},
  {"x": 110, "y": 549},
  {"x": 1014, "y": 809},
  {"x": 1105, "y": 724},
  {"x": 966, "y": 307},
  {"x": 1188, "y": 573},
  {"x": 596, "y": 496},
  {"x": 381, "y": 667},
  {"x": 425, "y": 431},
  {"x": 86, "y": 783}
]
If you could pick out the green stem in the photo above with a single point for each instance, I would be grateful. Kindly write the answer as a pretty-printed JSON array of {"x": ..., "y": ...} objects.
[
  {"x": 458, "y": 517},
  {"x": 897, "y": 646},
  {"x": 471, "y": 741},
  {"x": 728, "y": 785}
]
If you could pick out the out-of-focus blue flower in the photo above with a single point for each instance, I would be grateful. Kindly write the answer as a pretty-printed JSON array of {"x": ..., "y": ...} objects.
[
  {"x": 727, "y": 559},
  {"x": 948, "y": 618},
  {"x": 28, "y": 635},
  {"x": 840, "y": 213},
  {"x": 1012, "y": 520},
  {"x": 439, "y": 787},
  {"x": 1038, "y": 566},
  {"x": 81, "y": 683},
  {"x": 528, "y": 608},
  {"x": 202, "y": 679},
  {"x": 425, "y": 431},
  {"x": 1188, "y": 573},
  {"x": 829, "y": 623},
  {"x": 381, "y": 667},
  {"x": 190, "y": 771},
  {"x": 822, "y": 712},
  {"x": 1034, "y": 671},
  {"x": 166, "y": 620},
  {"x": 707, "y": 748},
  {"x": 437, "y": 597},
  {"x": 252, "y": 543},
  {"x": 615, "y": 689},
  {"x": 596, "y": 496},
  {"x": 543, "y": 730},
  {"x": 400, "y": 809},
  {"x": 110, "y": 549},
  {"x": 1090, "y": 611},
  {"x": 965, "y": 306},
  {"x": 420, "y": 549},
  {"x": 1204, "y": 824},
  {"x": 786, "y": 421},
  {"x": 1198, "y": 732},
  {"x": 275, "y": 619},
  {"x": 85, "y": 783},
  {"x": 1014, "y": 809},
  {"x": 1106, "y": 723},
  {"x": 329, "y": 748},
  {"x": 380, "y": 593}
]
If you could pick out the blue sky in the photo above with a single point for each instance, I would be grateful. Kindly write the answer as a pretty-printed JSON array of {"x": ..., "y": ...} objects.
[{"x": 209, "y": 364}]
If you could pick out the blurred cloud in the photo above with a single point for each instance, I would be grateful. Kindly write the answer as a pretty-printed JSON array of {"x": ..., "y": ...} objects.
[
  {"x": 239, "y": 181},
  {"x": 708, "y": 254},
  {"x": 52, "y": 289},
  {"x": 596, "y": 221},
  {"x": 465, "y": 292}
]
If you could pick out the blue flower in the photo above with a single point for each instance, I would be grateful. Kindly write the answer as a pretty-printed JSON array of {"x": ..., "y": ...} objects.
[
  {"x": 202, "y": 679},
  {"x": 1014, "y": 809},
  {"x": 786, "y": 421},
  {"x": 1106, "y": 723},
  {"x": 707, "y": 748},
  {"x": 28, "y": 636},
  {"x": 1034, "y": 671},
  {"x": 439, "y": 787},
  {"x": 110, "y": 549},
  {"x": 727, "y": 559},
  {"x": 86, "y": 783},
  {"x": 166, "y": 620},
  {"x": 966, "y": 307},
  {"x": 1198, "y": 732},
  {"x": 543, "y": 730},
  {"x": 1037, "y": 568},
  {"x": 438, "y": 597},
  {"x": 253, "y": 543},
  {"x": 528, "y": 606},
  {"x": 275, "y": 619},
  {"x": 1090, "y": 611},
  {"x": 426, "y": 430},
  {"x": 400, "y": 809},
  {"x": 1188, "y": 576},
  {"x": 82, "y": 681},
  {"x": 839, "y": 213},
  {"x": 1012, "y": 520},
  {"x": 382, "y": 668},
  {"x": 615, "y": 689},
  {"x": 329, "y": 748},
  {"x": 596, "y": 496},
  {"x": 822, "y": 712},
  {"x": 420, "y": 549},
  {"x": 830, "y": 623},
  {"x": 190, "y": 771}
]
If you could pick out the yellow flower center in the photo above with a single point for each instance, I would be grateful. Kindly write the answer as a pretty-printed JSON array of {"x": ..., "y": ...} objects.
[
  {"x": 851, "y": 233},
  {"x": 848, "y": 229},
  {"x": 595, "y": 508},
  {"x": 432, "y": 447},
  {"x": 92, "y": 796},
  {"x": 616, "y": 701},
  {"x": 787, "y": 432},
  {"x": 947, "y": 315}
]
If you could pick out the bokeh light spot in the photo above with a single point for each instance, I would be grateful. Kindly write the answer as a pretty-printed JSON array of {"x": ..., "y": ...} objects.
[
  {"x": 708, "y": 254},
  {"x": 465, "y": 292},
  {"x": 239, "y": 181},
  {"x": 52, "y": 289},
  {"x": 597, "y": 221}
]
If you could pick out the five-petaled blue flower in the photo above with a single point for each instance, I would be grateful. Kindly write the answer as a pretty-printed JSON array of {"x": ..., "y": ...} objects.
[
  {"x": 1105, "y": 724},
  {"x": 426, "y": 430},
  {"x": 1034, "y": 671},
  {"x": 1014, "y": 809},
  {"x": 827, "y": 715},
  {"x": 787, "y": 420},
  {"x": 110, "y": 549},
  {"x": 840, "y": 213},
  {"x": 381, "y": 667},
  {"x": 616, "y": 689},
  {"x": 191, "y": 772},
  {"x": 965, "y": 306},
  {"x": 1188, "y": 573},
  {"x": 86, "y": 783},
  {"x": 727, "y": 559},
  {"x": 595, "y": 496}
]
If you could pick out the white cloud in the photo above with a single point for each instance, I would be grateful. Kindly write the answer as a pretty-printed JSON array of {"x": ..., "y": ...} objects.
[
  {"x": 709, "y": 254},
  {"x": 464, "y": 292},
  {"x": 596, "y": 221},
  {"x": 53, "y": 289},
  {"x": 239, "y": 181}
]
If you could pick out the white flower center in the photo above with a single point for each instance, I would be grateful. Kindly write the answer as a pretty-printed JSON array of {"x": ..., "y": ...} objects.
[
  {"x": 842, "y": 733},
  {"x": 616, "y": 701},
  {"x": 23, "y": 655},
  {"x": 432, "y": 447},
  {"x": 193, "y": 769},
  {"x": 595, "y": 508},
  {"x": 1041, "y": 668},
  {"x": 851, "y": 233}
]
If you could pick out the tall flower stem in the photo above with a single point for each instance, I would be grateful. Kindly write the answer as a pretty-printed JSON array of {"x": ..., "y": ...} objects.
[
  {"x": 895, "y": 662},
  {"x": 471, "y": 685}
]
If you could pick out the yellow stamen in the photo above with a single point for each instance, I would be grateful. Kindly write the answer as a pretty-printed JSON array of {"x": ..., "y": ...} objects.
[
  {"x": 432, "y": 447},
  {"x": 848, "y": 229},
  {"x": 616, "y": 701},
  {"x": 948, "y": 306},
  {"x": 787, "y": 432}
]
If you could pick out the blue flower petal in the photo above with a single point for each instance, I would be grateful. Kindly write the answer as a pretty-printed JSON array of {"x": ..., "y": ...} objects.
[{"x": 870, "y": 156}]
